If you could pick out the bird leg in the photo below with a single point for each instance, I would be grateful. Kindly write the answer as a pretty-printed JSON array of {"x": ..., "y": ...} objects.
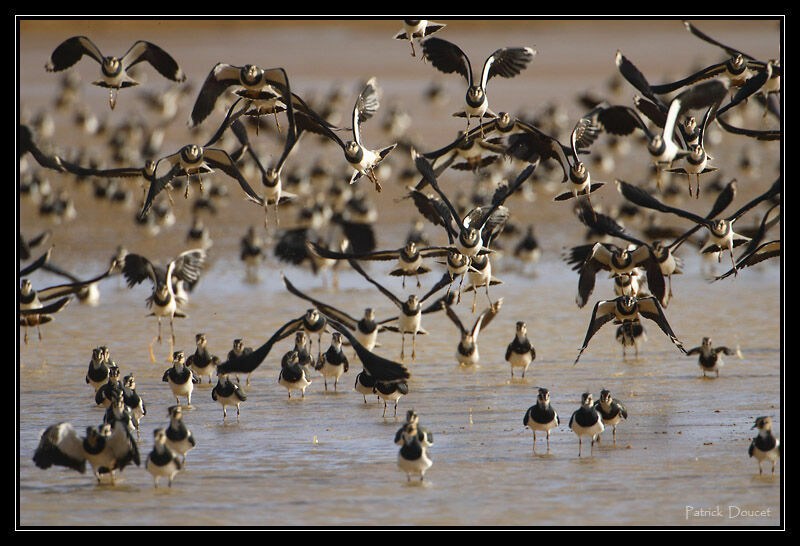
[
  {"x": 277, "y": 123},
  {"x": 614, "y": 434},
  {"x": 534, "y": 442},
  {"x": 548, "y": 440},
  {"x": 580, "y": 444},
  {"x": 474, "y": 297},
  {"x": 395, "y": 408},
  {"x": 224, "y": 413},
  {"x": 237, "y": 413},
  {"x": 413, "y": 54},
  {"x": 152, "y": 356},
  {"x": 414, "y": 346},
  {"x": 172, "y": 337},
  {"x": 374, "y": 178},
  {"x": 325, "y": 379},
  {"x": 402, "y": 346},
  {"x": 689, "y": 180},
  {"x": 384, "y": 415}
]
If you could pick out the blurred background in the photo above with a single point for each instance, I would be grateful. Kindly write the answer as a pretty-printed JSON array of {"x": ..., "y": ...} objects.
[{"x": 689, "y": 438}]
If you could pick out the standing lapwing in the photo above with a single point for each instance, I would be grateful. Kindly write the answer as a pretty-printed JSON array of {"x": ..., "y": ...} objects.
[
  {"x": 333, "y": 362},
  {"x": 162, "y": 461},
  {"x": 611, "y": 410},
  {"x": 179, "y": 438},
  {"x": 227, "y": 393},
  {"x": 541, "y": 416},
  {"x": 586, "y": 421},
  {"x": 180, "y": 378},
  {"x": 520, "y": 352},
  {"x": 765, "y": 446}
]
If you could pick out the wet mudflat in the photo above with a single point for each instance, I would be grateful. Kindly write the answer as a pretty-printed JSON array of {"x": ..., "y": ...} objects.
[{"x": 328, "y": 459}]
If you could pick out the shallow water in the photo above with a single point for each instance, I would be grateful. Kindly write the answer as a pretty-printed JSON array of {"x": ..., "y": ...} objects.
[{"x": 328, "y": 459}]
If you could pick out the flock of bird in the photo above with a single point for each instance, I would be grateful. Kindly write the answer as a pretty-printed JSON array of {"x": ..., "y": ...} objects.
[{"x": 662, "y": 116}]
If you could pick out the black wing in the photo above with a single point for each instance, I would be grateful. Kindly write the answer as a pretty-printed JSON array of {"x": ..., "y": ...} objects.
[
  {"x": 26, "y": 145},
  {"x": 640, "y": 197},
  {"x": 138, "y": 268},
  {"x": 157, "y": 57},
  {"x": 324, "y": 308},
  {"x": 622, "y": 120},
  {"x": 221, "y": 160},
  {"x": 447, "y": 57},
  {"x": 532, "y": 144},
  {"x": 381, "y": 369},
  {"x": 60, "y": 445},
  {"x": 649, "y": 308},
  {"x": 774, "y": 190},
  {"x": 70, "y": 52},
  {"x": 54, "y": 307},
  {"x": 607, "y": 313},
  {"x": 220, "y": 77},
  {"x": 499, "y": 198},
  {"x": 706, "y": 38},
  {"x": 354, "y": 264},
  {"x": 248, "y": 362},
  {"x": 39, "y": 262},
  {"x": 424, "y": 167},
  {"x": 506, "y": 62},
  {"x": 637, "y": 79}
]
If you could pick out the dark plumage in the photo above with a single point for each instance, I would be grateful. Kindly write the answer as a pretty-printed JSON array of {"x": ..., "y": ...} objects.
[
  {"x": 114, "y": 70},
  {"x": 611, "y": 411},
  {"x": 628, "y": 309},
  {"x": 541, "y": 416},
  {"x": 520, "y": 352},
  {"x": 227, "y": 393}
]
